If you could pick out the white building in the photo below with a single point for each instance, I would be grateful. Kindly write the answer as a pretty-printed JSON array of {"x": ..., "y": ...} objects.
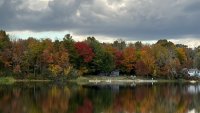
[{"x": 194, "y": 72}]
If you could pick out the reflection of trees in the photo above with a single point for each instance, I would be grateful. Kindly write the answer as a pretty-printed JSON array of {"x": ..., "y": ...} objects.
[
  {"x": 155, "y": 99},
  {"x": 163, "y": 98},
  {"x": 17, "y": 100},
  {"x": 91, "y": 100},
  {"x": 194, "y": 90},
  {"x": 34, "y": 100},
  {"x": 132, "y": 101},
  {"x": 172, "y": 99},
  {"x": 56, "y": 101},
  {"x": 196, "y": 103},
  {"x": 101, "y": 99},
  {"x": 87, "y": 107},
  {"x": 11, "y": 103}
]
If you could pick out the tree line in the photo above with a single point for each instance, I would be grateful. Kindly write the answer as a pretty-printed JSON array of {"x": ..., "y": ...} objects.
[{"x": 67, "y": 57}]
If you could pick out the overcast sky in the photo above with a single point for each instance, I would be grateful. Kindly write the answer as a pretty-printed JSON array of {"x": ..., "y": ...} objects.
[{"x": 107, "y": 20}]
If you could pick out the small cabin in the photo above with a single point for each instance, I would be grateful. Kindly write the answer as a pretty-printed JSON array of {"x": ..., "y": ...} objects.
[
  {"x": 115, "y": 73},
  {"x": 194, "y": 72}
]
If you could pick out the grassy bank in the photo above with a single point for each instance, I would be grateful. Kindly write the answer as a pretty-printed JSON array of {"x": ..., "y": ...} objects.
[
  {"x": 7, "y": 80},
  {"x": 32, "y": 80},
  {"x": 11, "y": 80}
]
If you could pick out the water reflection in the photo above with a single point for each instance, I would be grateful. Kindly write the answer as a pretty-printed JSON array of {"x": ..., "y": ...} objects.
[{"x": 70, "y": 98}]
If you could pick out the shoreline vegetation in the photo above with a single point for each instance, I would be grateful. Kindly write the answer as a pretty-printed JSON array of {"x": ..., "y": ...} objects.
[
  {"x": 99, "y": 80},
  {"x": 11, "y": 80},
  {"x": 38, "y": 60}
]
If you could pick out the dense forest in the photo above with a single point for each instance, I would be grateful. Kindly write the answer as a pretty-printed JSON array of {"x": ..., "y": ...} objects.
[{"x": 68, "y": 58}]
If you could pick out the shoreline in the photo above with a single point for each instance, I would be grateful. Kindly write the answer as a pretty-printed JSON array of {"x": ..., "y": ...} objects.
[
  {"x": 83, "y": 80},
  {"x": 125, "y": 80},
  {"x": 32, "y": 80}
]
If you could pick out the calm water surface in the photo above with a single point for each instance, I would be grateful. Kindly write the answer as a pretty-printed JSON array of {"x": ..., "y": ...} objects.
[{"x": 71, "y": 98}]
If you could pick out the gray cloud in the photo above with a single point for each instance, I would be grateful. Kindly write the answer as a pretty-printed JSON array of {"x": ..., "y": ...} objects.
[{"x": 141, "y": 19}]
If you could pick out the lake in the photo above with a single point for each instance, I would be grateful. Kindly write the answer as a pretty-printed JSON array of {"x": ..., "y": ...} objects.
[{"x": 72, "y": 98}]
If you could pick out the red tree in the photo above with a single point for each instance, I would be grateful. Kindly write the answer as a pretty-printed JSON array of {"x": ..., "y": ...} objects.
[
  {"x": 141, "y": 68},
  {"x": 118, "y": 58},
  {"x": 84, "y": 51}
]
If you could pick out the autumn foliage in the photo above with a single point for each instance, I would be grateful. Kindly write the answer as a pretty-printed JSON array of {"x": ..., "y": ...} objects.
[
  {"x": 62, "y": 57},
  {"x": 85, "y": 51},
  {"x": 129, "y": 59}
]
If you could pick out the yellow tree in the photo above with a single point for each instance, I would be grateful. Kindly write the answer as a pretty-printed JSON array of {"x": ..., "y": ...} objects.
[
  {"x": 181, "y": 54},
  {"x": 129, "y": 59},
  {"x": 60, "y": 63},
  {"x": 148, "y": 59}
]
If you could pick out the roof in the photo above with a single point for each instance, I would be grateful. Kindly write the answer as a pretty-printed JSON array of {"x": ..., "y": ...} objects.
[{"x": 193, "y": 70}]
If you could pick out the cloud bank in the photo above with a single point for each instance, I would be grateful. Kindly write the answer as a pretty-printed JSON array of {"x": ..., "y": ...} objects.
[{"x": 130, "y": 19}]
